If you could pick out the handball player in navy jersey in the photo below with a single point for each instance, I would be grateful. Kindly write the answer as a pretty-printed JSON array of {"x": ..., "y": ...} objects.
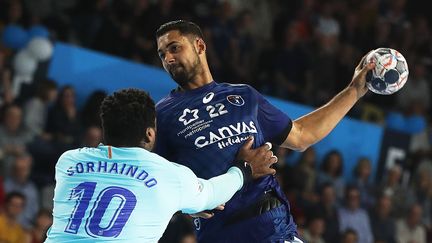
[{"x": 204, "y": 122}]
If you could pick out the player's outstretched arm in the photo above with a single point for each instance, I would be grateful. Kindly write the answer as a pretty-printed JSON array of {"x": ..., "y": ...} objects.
[
  {"x": 200, "y": 194},
  {"x": 314, "y": 126}
]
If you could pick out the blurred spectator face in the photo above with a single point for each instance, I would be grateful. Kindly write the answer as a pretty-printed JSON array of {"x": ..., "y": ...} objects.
[
  {"x": 316, "y": 227},
  {"x": 15, "y": 207},
  {"x": 423, "y": 183},
  {"x": 68, "y": 97},
  {"x": 22, "y": 167},
  {"x": 93, "y": 137},
  {"x": 13, "y": 118},
  {"x": 15, "y": 11},
  {"x": 353, "y": 198},
  {"x": 328, "y": 196},
  {"x": 350, "y": 237},
  {"x": 180, "y": 56},
  {"x": 52, "y": 95},
  {"x": 334, "y": 164},
  {"x": 188, "y": 239},
  {"x": 364, "y": 169},
  {"x": 309, "y": 157},
  {"x": 384, "y": 206},
  {"x": 415, "y": 215},
  {"x": 44, "y": 220},
  {"x": 394, "y": 175}
]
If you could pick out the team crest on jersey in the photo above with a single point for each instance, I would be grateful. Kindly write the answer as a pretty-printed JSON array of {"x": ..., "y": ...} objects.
[
  {"x": 236, "y": 100},
  {"x": 189, "y": 116}
]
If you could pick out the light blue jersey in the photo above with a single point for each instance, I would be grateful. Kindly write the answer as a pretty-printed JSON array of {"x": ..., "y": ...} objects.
[{"x": 128, "y": 194}]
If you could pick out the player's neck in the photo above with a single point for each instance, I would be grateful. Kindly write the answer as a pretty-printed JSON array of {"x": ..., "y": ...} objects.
[{"x": 199, "y": 81}]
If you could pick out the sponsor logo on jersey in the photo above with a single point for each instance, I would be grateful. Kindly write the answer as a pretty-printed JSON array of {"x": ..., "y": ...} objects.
[
  {"x": 236, "y": 100},
  {"x": 189, "y": 116},
  {"x": 227, "y": 135},
  {"x": 208, "y": 97}
]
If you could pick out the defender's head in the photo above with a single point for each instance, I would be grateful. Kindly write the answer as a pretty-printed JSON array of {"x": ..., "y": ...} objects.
[
  {"x": 181, "y": 49},
  {"x": 128, "y": 119}
]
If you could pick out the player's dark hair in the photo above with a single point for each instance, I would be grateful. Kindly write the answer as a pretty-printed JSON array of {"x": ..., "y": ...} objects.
[
  {"x": 125, "y": 116},
  {"x": 183, "y": 26}
]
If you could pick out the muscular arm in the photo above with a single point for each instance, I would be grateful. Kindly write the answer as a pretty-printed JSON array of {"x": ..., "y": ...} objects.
[{"x": 314, "y": 126}]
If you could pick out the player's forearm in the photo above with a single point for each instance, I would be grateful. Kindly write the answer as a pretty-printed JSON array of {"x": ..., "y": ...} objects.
[
  {"x": 218, "y": 190},
  {"x": 314, "y": 126}
]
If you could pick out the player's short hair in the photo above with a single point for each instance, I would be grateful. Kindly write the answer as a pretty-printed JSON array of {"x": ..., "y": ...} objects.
[
  {"x": 125, "y": 116},
  {"x": 183, "y": 26}
]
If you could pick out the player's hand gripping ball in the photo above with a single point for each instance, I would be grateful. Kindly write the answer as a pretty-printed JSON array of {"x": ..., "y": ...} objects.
[{"x": 390, "y": 73}]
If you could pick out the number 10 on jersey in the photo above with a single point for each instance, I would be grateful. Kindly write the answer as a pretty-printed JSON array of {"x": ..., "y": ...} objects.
[{"x": 83, "y": 193}]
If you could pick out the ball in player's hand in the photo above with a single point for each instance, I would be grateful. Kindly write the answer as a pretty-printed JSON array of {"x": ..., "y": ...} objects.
[{"x": 390, "y": 73}]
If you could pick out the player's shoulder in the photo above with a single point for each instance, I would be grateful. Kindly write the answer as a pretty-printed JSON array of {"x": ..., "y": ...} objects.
[
  {"x": 78, "y": 153},
  {"x": 240, "y": 86},
  {"x": 164, "y": 102}
]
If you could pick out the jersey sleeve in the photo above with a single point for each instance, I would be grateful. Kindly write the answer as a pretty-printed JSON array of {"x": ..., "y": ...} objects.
[
  {"x": 198, "y": 194},
  {"x": 274, "y": 123}
]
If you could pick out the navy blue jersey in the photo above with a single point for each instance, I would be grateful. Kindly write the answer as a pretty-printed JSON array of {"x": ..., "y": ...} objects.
[{"x": 204, "y": 128}]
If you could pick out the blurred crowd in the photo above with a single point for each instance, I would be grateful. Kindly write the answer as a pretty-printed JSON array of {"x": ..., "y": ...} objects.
[{"x": 301, "y": 50}]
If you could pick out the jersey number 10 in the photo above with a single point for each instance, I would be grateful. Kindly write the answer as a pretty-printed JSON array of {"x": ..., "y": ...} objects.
[{"x": 83, "y": 193}]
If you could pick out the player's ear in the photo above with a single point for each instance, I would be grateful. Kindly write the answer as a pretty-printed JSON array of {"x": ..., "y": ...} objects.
[
  {"x": 201, "y": 45},
  {"x": 149, "y": 139},
  {"x": 150, "y": 135}
]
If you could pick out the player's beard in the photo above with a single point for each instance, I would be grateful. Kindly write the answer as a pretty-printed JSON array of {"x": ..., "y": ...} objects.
[{"x": 181, "y": 75}]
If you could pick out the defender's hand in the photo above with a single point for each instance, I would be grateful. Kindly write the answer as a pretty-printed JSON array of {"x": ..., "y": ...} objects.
[
  {"x": 259, "y": 159},
  {"x": 359, "y": 78},
  {"x": 207, "y": 213}
]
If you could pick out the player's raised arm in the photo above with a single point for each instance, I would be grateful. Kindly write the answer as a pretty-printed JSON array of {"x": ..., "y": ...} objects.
[
  {"x": 314, "y": 126},
  {"x": 199, "y": 194}
]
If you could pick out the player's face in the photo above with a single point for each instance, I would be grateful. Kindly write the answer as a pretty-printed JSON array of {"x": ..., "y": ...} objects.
[{"x": 179, "y": 56}]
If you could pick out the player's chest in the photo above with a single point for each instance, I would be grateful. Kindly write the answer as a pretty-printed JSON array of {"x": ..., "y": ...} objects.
[{"x": 214, "y": 118}]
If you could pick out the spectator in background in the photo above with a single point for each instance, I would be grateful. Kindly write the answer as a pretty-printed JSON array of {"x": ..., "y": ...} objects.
[
  {"x": 91, "y": 109},
  {"x": 64, "y": 123},
  {"x": 92, "y": 137},
  {"x": 392, "y": 187},
  {"x": 422, "y": 195},
  {"x": 290, "y": 66},
  {"x": 315, "y": 230},
  {"x": 410, "y": 229},
  {"x": 331, "y": 172},
  {"x": 304, "y": 176},
  {"x": 36, "y": 109},
  {"x": 2, "y": 194},
  {"x": 414, "y": 98},
  {"x": 353, "y": 217},
  {"x": 10, "y": 229},
  {"x": 6, "y": 95},
  {"x": 13, "y": 137},
  {"x": 350, "y": 236},
  {"x": 383, "y": 225},
  {"x": 362, "y": 173},
  {"x": 42, "y": 222},
  {"x": 327, "y": 207},
  {"x": 19, "y": 181}
]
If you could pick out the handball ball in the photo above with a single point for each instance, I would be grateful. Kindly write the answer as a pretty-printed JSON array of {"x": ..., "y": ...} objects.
[{"x": 390, "y": 73}]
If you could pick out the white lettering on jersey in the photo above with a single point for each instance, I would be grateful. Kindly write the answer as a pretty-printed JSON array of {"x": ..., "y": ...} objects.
[{"x": 232, "y": 134}]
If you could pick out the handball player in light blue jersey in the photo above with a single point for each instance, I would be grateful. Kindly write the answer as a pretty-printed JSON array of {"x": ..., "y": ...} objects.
[{"x": 122, "y": 192}]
